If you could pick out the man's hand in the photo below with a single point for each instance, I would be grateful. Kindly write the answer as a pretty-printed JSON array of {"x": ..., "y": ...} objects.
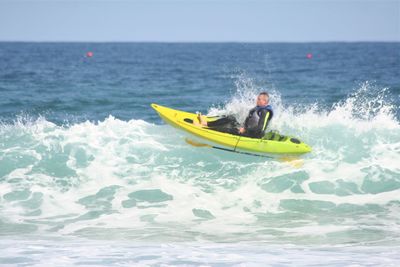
[{"x": 241, "y": 130}]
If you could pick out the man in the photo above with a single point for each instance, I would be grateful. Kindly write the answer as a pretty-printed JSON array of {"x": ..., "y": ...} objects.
[{"x": 254, "y": 125}]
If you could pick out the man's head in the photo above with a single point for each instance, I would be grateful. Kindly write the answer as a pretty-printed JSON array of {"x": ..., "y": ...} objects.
[{"x": 263, "y": 99}]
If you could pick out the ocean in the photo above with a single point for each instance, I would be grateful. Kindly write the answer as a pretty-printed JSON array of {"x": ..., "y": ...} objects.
[{"x": 91, "y": 176}]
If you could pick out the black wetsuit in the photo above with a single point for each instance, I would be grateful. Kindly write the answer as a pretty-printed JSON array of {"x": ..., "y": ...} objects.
[{"x": 229, "y": 124}]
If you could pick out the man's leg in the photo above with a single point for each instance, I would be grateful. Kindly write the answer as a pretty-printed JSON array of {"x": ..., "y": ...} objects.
[{"x": 227, "y": 124}]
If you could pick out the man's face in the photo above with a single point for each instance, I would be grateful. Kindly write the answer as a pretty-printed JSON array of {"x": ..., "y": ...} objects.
[{"x": 262, "y": 100}]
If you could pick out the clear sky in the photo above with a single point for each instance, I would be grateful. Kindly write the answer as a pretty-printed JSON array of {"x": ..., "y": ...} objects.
[{"x": 200, "y": 21}]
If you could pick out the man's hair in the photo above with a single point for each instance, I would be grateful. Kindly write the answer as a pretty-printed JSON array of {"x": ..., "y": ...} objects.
[{"x": 264, "y": 94}]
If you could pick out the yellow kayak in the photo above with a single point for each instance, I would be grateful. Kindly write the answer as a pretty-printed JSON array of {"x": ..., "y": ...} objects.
[{"x": 272, "y": 143}]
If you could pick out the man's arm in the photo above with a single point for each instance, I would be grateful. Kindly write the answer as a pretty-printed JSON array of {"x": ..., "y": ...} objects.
[{"x": 243, "y": 129}]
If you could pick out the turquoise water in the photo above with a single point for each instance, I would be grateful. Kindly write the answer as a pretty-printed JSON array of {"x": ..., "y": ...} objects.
[{"x": 89, "y": 175}]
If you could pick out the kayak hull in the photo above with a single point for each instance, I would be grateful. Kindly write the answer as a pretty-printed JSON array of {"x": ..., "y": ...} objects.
[{"x": 181, "y": 120}]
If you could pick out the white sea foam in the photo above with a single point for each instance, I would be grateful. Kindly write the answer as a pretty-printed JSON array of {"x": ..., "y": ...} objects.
[
  {"x": 67, "y": 252},
  {"x": 134, "y": 179}
]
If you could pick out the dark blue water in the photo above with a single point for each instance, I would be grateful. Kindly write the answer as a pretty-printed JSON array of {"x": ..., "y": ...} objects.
[{"x": 122, "y": 79}]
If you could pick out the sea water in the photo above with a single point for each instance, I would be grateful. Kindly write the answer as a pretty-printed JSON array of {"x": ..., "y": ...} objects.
[{"x": 91, "y": 176}]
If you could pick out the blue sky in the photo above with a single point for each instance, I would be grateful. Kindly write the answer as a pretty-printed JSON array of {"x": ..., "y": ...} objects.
[{"x": 200, "y": 21}]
